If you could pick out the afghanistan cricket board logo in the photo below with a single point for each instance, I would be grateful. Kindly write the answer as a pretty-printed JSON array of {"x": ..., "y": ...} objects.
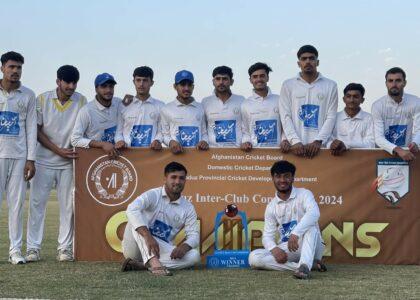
[
  {"x": 111, "y": 182},
  {"x": 393, "y": 177}
]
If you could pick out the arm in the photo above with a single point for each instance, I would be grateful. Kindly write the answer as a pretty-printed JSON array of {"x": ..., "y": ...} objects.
[
  {"x": 285, "y": 108},
  {"x": 416, "y": 124},
  {"x": 166, "y": 128},
  {"x": 31, "y": 128},
  {"x": 368, "y": 140},
  {"x": 191, "y": 229},
  {"x": 311, "y": 216},
  {"x": 270, "y": 229},
  {"x": 329, "y": 123},
  {"x": 379, "y": 130},
  {"x": 119, "y": 136},
  {"x": 246, "y": 130},
  {"x": 135, "y": 211},
  {"x": 80, "y": 126}
]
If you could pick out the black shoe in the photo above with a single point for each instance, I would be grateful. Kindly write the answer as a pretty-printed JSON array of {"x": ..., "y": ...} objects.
[{"x": 302, "y": 272}]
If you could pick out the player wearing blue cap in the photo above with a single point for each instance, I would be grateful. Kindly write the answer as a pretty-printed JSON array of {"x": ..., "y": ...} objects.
[
  {"x": 183, "y": 120},
  {"x": 96, "y": 122}
]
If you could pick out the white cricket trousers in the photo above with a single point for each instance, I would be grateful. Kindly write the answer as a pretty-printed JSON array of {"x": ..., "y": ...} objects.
[
  {"x": 134, "y": 247},
  {"x": 13, "y": 186},
  {"x": 41, "y": 186},
  {"x": 310, "y": 247}
]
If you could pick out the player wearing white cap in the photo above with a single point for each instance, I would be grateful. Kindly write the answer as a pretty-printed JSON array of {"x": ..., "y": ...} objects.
[
  {"x": 139, "y": 122},
  {"x": 183, "y": 120},
  {"x": 396, "y": 118},
  {"x": 223, "y": 111},
  {"x": 56, "y": 113},
  {"x": 292, "y": 215},
  {"x": 261, "y": 125},
  {"x": 154, "y": 219},
  {"x": 17, "y": 146},
  {"x": 353, "y": 126},
  {"x": 96, "y": 122},
  {"x": 308, "y": 106}
]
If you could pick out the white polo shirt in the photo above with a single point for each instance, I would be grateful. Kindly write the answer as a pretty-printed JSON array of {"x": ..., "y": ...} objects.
[
  {"x": 95, "y": 122},
  {"x": 224, "y": 121},
  {"x": 308, "y": 110},
  {"x": 261, "y": 124},
  {"x": 183, "y": 123},
  {"x": 57, "y": 122},
  {"x": 293, "y": 216},
  {"x": 356, "y": 132},
  {"x": 164, "y": 218},
  {"x": 18, "y": 129},
  {"x": 396, "y": 124},
  {"x": 139, "y": 122}
]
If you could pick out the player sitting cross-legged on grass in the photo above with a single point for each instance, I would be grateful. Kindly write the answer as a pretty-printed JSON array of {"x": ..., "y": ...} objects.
[
  {"x": 154, "y": 219},
  {"x": 294, "y": 214}
]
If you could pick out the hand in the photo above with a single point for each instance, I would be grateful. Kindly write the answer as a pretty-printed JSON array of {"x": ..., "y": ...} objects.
[
  {"x": 405, "y": 155},
  {"x": 202, "y": 145},
  {"x": 67, "y": 153},
  {"x": 312, "y": 149},
  {"x": 246, "y": 146},
  {"x": 110, "y": 150},
  {"x": 175, "y": 147},
  {"x": 337, "y": 147},
  {"x": 293, "y": 243},
  {"x": 180, "y": 251},
  {"x": 298, "y": 149},
  {"x": 285, "y": 146},
  {"x": 152, "y": 245},
  {"x": 413, "y": 147},
  {"x": 156, "y": 145},
  {"x": 120, "y": 145},
  {"x": 279, "y": 255},
  {"x": 29, "y": 170}
]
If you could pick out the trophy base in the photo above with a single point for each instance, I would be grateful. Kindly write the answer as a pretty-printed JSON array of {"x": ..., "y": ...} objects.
[{"x": 228, "y": 259}]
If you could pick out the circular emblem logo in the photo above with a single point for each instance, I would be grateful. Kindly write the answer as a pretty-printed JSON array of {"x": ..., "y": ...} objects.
[
  {"x": 111, "y": 182},
  {"x": 276, "y": 110},
  {"x": 236, "y": 111},
  {"x": 214, "y": 261},
  {"x": 152, "y": 115},
  {"x": 321, "y": 96}
]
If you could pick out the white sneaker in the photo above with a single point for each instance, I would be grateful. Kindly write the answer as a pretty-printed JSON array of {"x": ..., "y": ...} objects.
[
  {"x": 16, "y": 258},
  {"x": 65, "y": 255},
  {"x": 33, "y": 255}
]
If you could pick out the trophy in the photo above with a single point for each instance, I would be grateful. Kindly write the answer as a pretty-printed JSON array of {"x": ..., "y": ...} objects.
[{"x": 230, "y": 258}]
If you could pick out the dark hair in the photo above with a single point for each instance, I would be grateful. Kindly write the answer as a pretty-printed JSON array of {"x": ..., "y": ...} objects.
[
  {"x": 68, "y": 73},
  {"x": 173, "y": 167},
  {"x": 143, "y": 71},
  {"x": 307, "y": 49},
  {"x": 259, "y": 66},
  {"x": 11, "y": 55},
  {"x": 395, "y": 70},
  {"x": 223, "y": 70},
  {"x": 355, "y": 87},
  {"x": 283, "y": 166}
]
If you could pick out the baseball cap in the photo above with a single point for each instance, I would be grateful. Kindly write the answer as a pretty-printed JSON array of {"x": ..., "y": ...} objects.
[
  {"x": 183, "y": 75},
  {"x": 104, "y": 77}
]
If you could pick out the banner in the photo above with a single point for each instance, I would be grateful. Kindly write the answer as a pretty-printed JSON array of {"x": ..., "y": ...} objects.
[{"x": 369, "y": 201}]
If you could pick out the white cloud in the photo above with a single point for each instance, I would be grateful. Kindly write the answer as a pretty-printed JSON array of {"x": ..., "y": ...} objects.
[{"x": 385, "y": 51}]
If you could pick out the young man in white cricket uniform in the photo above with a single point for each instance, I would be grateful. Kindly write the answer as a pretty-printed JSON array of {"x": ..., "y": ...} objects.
[
  {"x": 308, "y": 106},
  {"x": 353, "y": 126},
  {"x": 183, "y": 120},
  {"x": 261, "y": 125},
  {"x": 396, "y": 118},
  {"x": 154, "y": 219},
  {"x": 96, "y": 122},
  {"x": 17, "y": 146},
  {"x": 223, "y": 111},
  {"x": 56, "y": 113},
  {"x": 139, "y": 117},
  {"x": 293, "y": 215}
]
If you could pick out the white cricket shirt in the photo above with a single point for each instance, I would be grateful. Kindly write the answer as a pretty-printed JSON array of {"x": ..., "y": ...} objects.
[
  {"x": 164, "y": 218},
  {"x": 57, "y": 123},
  {"x": 18, "y": 129},
  {"x": 224, "y": 121},
  {"x": 308, "y": 110},
  {"x": 139, "y": 122}
]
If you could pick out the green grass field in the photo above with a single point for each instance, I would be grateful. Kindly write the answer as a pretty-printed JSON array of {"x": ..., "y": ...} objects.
[{"x": 50, "y": 279}]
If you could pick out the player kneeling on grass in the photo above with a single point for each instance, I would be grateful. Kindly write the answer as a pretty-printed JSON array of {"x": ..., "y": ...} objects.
[
  {"x": 294, "y": 214},
  {"x": 154, "y": 219}
]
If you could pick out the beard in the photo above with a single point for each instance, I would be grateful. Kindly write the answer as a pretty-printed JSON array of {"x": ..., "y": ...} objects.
[{"x": 394, "y": 92}]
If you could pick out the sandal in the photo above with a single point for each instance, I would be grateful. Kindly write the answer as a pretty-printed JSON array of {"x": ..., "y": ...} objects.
[
  {"x": 132, "y": 265},
  {"x": 302, "y": 272},
  {"x": 160, "y": 271},
  {"x": 319, "y": 266}
]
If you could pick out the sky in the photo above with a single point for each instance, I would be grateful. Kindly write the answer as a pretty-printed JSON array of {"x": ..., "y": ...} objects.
[{"x": 357, "y": 41}]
